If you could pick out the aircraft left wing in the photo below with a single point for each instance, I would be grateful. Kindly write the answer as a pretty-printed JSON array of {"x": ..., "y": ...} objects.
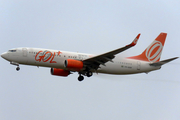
[{"x": 94, "y": 62}]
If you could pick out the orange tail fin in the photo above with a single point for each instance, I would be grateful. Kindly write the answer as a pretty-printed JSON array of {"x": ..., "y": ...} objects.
[{"x": 153, "y": 52}]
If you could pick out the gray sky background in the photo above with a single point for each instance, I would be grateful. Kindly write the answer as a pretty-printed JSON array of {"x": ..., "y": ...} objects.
[{"x": 94, "y": 26}]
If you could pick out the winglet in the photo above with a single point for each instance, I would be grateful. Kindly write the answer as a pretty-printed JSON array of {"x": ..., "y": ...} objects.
[{"x": 134, "y": 42}]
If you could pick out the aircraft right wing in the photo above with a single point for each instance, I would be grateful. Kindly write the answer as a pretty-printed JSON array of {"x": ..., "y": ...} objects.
[{"x": 94, "y": 62}]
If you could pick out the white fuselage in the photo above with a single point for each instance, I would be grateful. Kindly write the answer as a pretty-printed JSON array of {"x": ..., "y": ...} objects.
[{"x": 56, "y": 59}]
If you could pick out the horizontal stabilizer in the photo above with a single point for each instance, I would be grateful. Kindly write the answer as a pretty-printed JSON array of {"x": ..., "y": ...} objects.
[{"x": 163, "y": 62}]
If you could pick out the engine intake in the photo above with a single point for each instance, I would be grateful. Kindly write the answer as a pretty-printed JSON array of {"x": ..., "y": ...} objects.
[{"x": 59, "y": 72}]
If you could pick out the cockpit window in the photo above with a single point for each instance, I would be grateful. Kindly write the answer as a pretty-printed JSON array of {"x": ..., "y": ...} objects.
[{"x": 12, "y": 50}]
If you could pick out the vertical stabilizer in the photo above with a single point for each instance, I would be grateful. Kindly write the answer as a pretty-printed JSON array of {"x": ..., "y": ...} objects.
[{"x": 153, "y": 52}]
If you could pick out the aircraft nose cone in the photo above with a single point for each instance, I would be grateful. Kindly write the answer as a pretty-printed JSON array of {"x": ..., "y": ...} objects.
[{"x": 4, "y": 55}]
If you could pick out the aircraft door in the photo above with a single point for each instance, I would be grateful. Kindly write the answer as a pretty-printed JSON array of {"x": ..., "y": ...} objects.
[
  {"x": 24, "y": 51},
  {"x": 138, "y": 65}
]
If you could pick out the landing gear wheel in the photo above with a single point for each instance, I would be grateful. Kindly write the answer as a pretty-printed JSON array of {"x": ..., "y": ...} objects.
[
  {"x": 89, "y": 74},
  {"x": 18, "y": 68},
  {"x": 80, "y": 78}
]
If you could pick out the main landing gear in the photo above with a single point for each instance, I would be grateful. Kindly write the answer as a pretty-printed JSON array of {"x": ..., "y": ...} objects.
[
  {"x": 81, "y": 78},
  {"x": 88, "y": 74}
]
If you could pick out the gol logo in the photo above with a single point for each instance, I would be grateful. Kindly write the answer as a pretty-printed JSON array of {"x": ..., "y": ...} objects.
[
  {"x": 153, "y": 52},
  {"x": 45, "y": 56}
]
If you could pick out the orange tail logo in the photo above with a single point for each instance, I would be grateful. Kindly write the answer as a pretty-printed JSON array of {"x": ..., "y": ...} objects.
[{"x": 153, "y": 52}]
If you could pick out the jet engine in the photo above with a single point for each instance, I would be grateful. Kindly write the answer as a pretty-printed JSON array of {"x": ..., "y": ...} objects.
[
  {"x": 74, "y": 65},
  {"x": 59, "y": 72}
]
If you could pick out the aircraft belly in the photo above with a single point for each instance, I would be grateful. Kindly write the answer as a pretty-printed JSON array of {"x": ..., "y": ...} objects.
[
  {"x": 131, "y": 68},
  {"x": 115, "y": 68}
]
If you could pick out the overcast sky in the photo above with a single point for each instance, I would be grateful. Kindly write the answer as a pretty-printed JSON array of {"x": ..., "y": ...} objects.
[{"x": 93, "y": 26}]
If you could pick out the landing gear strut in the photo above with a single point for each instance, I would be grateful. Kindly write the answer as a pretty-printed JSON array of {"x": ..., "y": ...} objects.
[
  {"x": 80, "y": 78},
  {"x": 17, "y": 64}
]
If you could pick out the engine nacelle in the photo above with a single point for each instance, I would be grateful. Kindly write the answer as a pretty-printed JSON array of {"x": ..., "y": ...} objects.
[
  {"x": 74, "y": 65},
  {"x": 59, "y": 72}
]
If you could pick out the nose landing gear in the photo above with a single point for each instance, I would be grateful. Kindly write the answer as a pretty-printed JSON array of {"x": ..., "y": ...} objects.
[
  {"x": 17, "y": 64},
  {"x": 18, "y": 68}
]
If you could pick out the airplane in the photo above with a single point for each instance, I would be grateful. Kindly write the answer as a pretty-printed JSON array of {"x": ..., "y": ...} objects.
[{"x": 63, "y": 63}]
